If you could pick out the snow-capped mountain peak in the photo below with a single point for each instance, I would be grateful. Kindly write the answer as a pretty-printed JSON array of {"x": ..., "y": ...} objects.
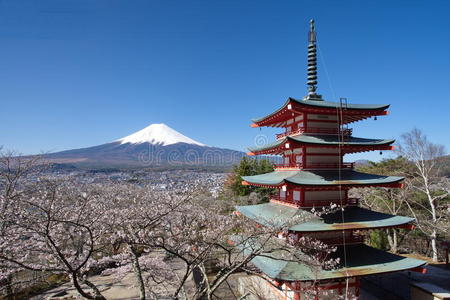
[{"x": 159, "y": 134}]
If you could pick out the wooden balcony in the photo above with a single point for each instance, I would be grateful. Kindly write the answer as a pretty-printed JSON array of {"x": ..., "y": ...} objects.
[
  {"x": 277, "y": 199},
  {"x": 315, "y": 130},
  {"x": 287, "y": 166},
  {"x": 345, "y": 165}
]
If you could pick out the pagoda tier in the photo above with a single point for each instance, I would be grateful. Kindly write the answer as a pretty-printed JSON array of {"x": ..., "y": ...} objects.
[
  {"x": 308, "y": 143},
  {"x": 306, "y": 111},
  {"x": 353, "y": 218},
  {"x": 360, "y": 260},
  {"x": 321, "y": 179}
]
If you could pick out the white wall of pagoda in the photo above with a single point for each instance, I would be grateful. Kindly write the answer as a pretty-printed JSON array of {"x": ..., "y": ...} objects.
[
  {"x": 313, "y": 198},
  {"x": 322, "y": 150},
  {"x": 310, "y": 196},
  {"x": 317, "y": 159}
]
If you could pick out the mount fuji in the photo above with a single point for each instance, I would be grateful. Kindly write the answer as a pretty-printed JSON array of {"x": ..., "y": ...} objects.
[{"x": 157, "y": 145}]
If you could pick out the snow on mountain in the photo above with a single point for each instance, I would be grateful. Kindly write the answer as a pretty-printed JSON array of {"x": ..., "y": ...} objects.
[{"x": 158, "y": 134}]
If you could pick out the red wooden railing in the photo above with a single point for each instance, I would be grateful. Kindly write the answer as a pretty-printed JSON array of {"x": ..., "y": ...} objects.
[
  {"x": 287, "y": 166},
  {"x": 277, "y": 198},
  {"x": 317, "y": 130},
  {"x": 345, "y": 165},
  {"x": 315, "y": 203}
]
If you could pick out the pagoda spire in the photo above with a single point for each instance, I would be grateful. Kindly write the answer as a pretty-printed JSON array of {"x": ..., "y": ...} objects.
[{"x": 312, "y": 64}]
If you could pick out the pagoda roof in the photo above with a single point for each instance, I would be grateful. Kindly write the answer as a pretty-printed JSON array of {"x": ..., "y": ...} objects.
[
  {"x": 322, "y": 140},
  {"x": 319, "y": 105},
  {"x": 361, "y": 260},
  {"x": 278, "y": 215},
  {"x": 334, "y": 105},
  {"x": 323, "y": 178}
]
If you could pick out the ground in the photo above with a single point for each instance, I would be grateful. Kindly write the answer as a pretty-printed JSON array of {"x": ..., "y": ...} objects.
[
  {"x": 394, "y": 286},
  {"x": 125, "y": 289}
]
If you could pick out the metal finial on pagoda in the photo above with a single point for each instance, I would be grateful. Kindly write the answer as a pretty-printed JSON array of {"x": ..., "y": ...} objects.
[{"x": 312, "y": 63}]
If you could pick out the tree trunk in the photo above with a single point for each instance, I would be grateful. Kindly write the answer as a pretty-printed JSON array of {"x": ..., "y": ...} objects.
[
  {"x": 97, "y": 294},
  {"x": 8, "y": 283},
  {"x": 393, "y": 240},
  {"x": 434, "y": 246},
  {"x": 77, "y": 286},
  {"x": 433, "y": 234},
  {"x": 200, "y": 282},
  {"x": 137, "y": 272}
]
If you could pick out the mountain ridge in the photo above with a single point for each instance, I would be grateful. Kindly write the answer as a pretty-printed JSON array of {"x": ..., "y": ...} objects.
[{"x": 157, "y": 145}]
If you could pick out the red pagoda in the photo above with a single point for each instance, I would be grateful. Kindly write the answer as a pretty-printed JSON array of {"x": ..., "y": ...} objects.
[{"x": 313, "y": 174}]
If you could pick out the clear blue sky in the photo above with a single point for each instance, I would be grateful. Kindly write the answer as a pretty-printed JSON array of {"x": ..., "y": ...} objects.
[{"x": 78, "y": 73}]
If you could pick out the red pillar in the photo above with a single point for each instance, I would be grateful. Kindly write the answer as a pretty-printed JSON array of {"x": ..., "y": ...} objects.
[
  {"x": 303, "y": 157},
  {"x": 305, "y": 121},
  {"x": 302, "y": 197},
  {"x": 295, "y": 287}
]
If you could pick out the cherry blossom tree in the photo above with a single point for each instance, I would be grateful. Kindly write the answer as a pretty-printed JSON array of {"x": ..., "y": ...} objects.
[
  {"x": 168, "y": 238},
  {"x": 59, "y": 225},
  {"x": 14, "y": 170},
  {"x": 136, "y": 213},
  {"x": 48, "y": 225},
  {"x": 204, "y": 229}
]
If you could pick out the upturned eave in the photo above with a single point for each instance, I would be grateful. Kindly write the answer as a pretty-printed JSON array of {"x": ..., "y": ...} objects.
[
  {"x": 322, "y": 179},
  {"x": 361, "y": 260},
  {"x": 351, "y": 112},
  {"x": 347, "y": 145},
  {"x": 354, "y": 218}
]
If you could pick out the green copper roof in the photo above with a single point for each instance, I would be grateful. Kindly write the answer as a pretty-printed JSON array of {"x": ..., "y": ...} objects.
[
  {"x": 320, "y": 178},
  {"x": 361, "y": 260},
  {"x": 268, "y": 146},
  {"x": 327, "y": 104},
  {"x": 277, "y": 215},
  {"x": 328, "y": 140}
]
